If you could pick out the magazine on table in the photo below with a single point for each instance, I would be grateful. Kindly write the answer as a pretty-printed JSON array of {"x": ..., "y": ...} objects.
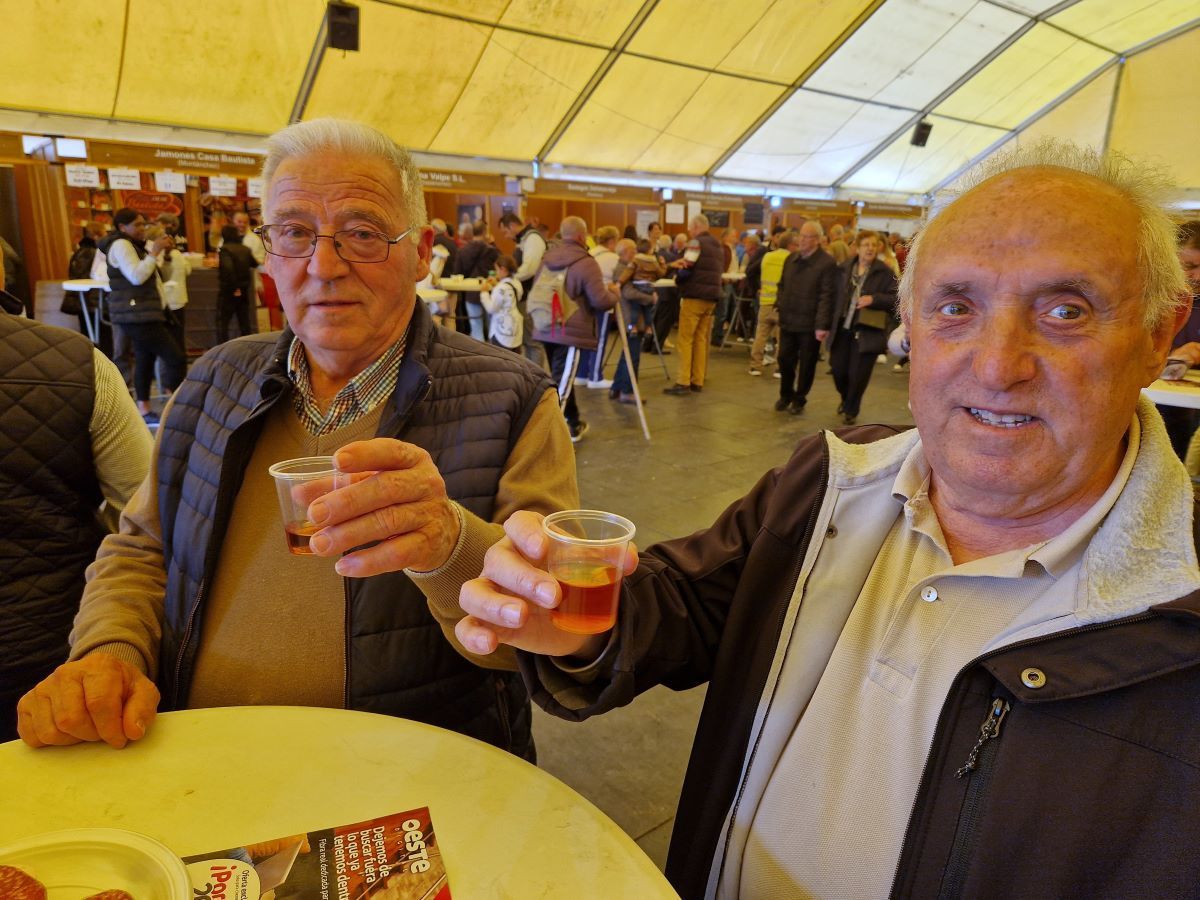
[{"x": 395, "y": 857}]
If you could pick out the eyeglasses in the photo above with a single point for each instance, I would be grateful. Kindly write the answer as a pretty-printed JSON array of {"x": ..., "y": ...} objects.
[{"x": 356, "y": 245}]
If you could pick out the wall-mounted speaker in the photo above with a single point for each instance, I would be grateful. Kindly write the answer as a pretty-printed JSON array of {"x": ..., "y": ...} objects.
[
  {"x": 343, "y": 25},
  {"x": 920, "y": 134}
]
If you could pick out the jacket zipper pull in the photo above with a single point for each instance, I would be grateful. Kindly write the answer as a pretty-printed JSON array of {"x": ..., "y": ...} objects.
[{"x": 990, "y": 729}]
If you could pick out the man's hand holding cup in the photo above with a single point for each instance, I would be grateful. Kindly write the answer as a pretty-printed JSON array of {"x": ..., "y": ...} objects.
[{"x": 517, "y": 599}]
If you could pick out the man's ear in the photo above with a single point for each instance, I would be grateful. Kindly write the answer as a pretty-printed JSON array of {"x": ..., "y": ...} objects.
[
  {"x": 1163, "y": 337},
  {"x": 424, "y": 253}
]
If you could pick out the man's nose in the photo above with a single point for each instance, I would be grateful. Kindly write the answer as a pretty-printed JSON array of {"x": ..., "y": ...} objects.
[
  {"x": 1008, "y": 351},
  {"x": 325, "y": 264}
]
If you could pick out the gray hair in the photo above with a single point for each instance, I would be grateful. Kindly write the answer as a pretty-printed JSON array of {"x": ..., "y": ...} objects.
[
  {"x": 1146, "y": 187},
  {"x": 572, "y": 227},
  {"x": 815, "y": 223},
  {"x": 351, "y": 138},
  {"x": 438, "y": 225},
  {"x": 699, "y": 222}
]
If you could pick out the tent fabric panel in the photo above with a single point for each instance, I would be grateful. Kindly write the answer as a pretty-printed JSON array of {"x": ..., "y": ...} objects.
[
  {"x": 69, "y": 66},
  {"x": 517, "y": 95},
  {"x": 407, "y": 102},
  {"x": 1154, "y": 118},
  {"x": 1032, "y": 7},
  {"x": 915, "y": 170},
  {"x": 680, "y": 31},
  {"x": 812, "y": 139},
  {"x": 785, "y": 42},
  {"x": 760, "y": 38},
  {"x": 1082, "y": 118},
  {"x": 1114, "y": 24},
  {"x": 910, "y": 51},
  {"x": 585, "y": 20},
  {"x": 1042, "y": 64},
  {"x": 483, "y": 10},
  {"x": 626, "y": 113},
  {"x": 252, "y": 91},
  {"x": 697, "y": 137}
]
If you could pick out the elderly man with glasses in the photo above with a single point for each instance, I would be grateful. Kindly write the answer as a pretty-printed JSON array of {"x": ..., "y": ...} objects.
[{"x": 197, "y": 602}]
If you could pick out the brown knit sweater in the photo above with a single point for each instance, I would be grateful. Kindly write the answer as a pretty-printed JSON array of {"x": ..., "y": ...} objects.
[{"x": 273, "y": 623}]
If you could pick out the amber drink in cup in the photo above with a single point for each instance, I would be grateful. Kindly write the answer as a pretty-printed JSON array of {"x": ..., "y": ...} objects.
[
  {"x": 299, "y": 482},
  {"x": 587, "y": 558}
]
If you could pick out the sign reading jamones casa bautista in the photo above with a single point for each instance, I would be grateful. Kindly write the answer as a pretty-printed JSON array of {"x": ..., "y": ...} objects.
[{"x": 182, "y": 159}]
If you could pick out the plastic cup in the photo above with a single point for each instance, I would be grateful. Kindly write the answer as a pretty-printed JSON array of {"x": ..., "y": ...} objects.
[
  {"x": 587, "y": 558},
  {"x": 299, "y": 482}
]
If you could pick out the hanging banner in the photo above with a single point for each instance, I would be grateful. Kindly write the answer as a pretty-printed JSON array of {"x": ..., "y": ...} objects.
[
  {"x": 83, "y": 176},
  {"x": 187, "y": 159},
  {"x": 151, "y": 203},
  {"x": 125, "y": 179},
  {"x": 222, "y": 186},
  {"x": 462, "y": 182},
  {"x": 255, "y": 187},
  {"x": 170, "y": 182}
]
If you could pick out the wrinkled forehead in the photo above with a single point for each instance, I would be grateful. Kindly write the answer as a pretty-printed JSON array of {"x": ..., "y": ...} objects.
[
  {"x": 1033, "y": 217},
  {"x": 335, "y": 178}
]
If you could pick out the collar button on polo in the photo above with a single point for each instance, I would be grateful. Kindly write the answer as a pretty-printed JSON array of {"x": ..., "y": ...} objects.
[
  {"x": 1033, "y": 678},
  {"x": 929, "y": 593}
]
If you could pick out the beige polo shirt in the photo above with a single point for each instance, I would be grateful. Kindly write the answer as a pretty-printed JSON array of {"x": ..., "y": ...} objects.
[{"x": 835, "y": 809}]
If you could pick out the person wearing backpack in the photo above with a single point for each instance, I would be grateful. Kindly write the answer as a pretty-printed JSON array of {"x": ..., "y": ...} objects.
[
  {"x": 567, "y": 294},
  {"x": 506, "y": 322}
]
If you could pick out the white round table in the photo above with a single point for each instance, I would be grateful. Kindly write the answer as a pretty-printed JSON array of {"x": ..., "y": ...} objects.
[
  {"x": 91, "y": 317},
  {"x": 203, "y": 780},
  {"x": 1184, "y": 393},
  {"x": 461, "y": 285}
]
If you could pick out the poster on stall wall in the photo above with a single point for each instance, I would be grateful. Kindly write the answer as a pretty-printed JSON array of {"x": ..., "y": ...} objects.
[
  {"x": 125, "y": 179},
  {"x": 396, "y": 857},
  {"x": 693, "y": 209},
  {"x": 222, "y": 186},
  {"x": 254, "y": 187},
  {"x": 645, "y": 217},
  {"x": 674, "y": 214},
  {"x": 83, "y": 176},
  {"x": 170, "y": 182}
]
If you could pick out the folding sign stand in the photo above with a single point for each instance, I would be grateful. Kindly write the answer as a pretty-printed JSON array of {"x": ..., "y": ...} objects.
[
  {"x": 567, "y": 381},
  {"x": 637, "y": 397}
]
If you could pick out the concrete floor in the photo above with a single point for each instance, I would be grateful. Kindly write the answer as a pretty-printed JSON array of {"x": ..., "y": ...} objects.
[{"x": 706, "y": 450}]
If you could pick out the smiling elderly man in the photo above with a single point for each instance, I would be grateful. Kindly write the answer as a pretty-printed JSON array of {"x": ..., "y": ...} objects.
[
  {"x": 199, "y": 592},
  {"x": 960, "y": 661}
]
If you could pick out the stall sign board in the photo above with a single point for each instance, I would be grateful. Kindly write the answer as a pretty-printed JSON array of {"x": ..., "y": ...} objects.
[
  {"x": 186, "y": 159},
  {"x": 587, "y": 190},
  {"x": 83, "y": 176},
  {"x": 170, "y": 182},
  {"x": 897, "y": 210},
  {"x": 255, "y": 187},
  {"x": 222, "y": 186},
  {"x": 754, "y": 214},
  {"x": 124, "y": 179},
  {"x": 462, "y": 182}
]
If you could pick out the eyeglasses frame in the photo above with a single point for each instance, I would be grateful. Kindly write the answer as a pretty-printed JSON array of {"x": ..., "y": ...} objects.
[{"x": 336, "y": 246}]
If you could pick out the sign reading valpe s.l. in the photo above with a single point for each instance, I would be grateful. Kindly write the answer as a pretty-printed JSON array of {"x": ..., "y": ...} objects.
[{"x": 462, "y": 182}]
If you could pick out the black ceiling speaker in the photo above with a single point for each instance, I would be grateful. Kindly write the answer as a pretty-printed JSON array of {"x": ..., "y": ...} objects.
[
  {"x": 920, "y": 134},
  {"x": 343, "y": 25}
]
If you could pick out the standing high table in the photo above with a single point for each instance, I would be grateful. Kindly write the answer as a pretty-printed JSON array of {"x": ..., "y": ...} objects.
[
  {"x": 206, "y": 779},
  {"x": 91, "y": 296}
]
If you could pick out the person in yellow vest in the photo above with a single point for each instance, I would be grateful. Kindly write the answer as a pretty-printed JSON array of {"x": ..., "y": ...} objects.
[{"x": 768, "y": 315}]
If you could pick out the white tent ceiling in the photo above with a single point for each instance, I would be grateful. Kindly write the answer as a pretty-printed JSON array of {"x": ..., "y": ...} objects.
[{"x": 792, "y": 96}]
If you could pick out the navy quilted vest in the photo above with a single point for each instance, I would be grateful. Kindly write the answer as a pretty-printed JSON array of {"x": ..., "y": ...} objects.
[
  {"x": 49, "y": 497},
  {"x": 465, "y": 403}
]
